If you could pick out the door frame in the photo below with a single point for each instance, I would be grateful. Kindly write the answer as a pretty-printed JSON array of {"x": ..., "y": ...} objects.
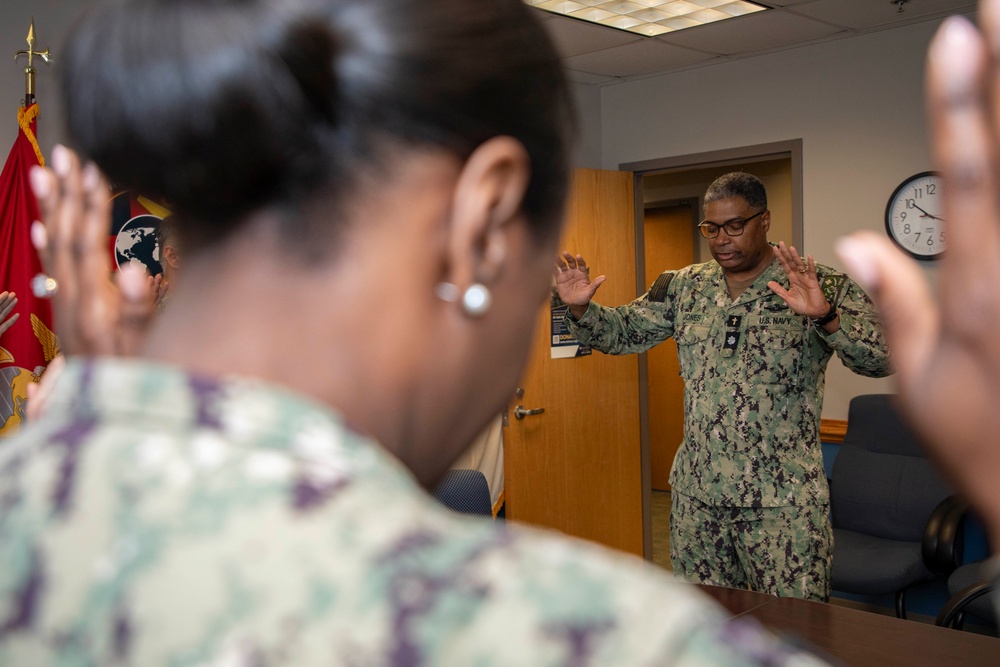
[{"x": 789, "y": 149}]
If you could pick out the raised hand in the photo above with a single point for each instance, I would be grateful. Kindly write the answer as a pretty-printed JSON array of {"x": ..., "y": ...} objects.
[
  {"x": 7, "y": 302},
  {"x": 158, "y": 288},
  {"x": 804, "y": 294},
  {"x": 946, "y": 351},
  {"x": 92, "y": 316},
  {"x": 573, "y": 283}
]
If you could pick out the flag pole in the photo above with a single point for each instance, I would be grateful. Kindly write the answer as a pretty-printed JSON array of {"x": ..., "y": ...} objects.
[{"x": 29, "y": 71}]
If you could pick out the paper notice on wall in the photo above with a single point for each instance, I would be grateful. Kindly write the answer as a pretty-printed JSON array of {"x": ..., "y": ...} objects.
[{"x": 564, "y": 345}]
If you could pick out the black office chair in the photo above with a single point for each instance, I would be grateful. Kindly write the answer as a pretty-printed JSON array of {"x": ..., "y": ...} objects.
[
  {"x": 883, "y": 494},
  {"x": 465, "y": 491},
  {"x": 973, "y": 594},
  {"x": 971, "y": 583}
]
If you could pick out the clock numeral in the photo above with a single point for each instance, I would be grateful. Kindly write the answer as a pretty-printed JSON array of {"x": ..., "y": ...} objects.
[
  {"x": 918, "y": 193},
  {"x": 931, "y": 188},
  {"x": 902, "y": 215},
  {"x": 918, "y": 238},
  {"x": 910, "y": 203},
  {"x": 943, "y": 238},
  {"x": 906, "y": 229}
]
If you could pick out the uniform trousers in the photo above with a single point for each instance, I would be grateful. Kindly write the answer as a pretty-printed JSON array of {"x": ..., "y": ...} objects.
[{"x": 784, "y": 551}]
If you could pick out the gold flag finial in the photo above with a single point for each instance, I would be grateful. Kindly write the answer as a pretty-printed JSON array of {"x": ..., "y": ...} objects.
[{"x": 29, "y": 71}]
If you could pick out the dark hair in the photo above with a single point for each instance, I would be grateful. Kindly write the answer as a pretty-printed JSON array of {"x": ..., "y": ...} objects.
[
  {"x": 226, "y": 107},
  {"x": 738, "y": 184},
  {"x": 166, "y": 233}
]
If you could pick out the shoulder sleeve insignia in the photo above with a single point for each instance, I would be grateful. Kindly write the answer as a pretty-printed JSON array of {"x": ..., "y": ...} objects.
[
  {"x": 832, "y": 284},
  {"x": 658, "y": 292}
]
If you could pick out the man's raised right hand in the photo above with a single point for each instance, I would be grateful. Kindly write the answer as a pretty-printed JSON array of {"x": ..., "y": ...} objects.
[{"x": 573, "y": 283}]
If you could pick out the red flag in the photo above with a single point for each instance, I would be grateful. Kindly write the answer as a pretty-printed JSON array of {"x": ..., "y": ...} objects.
[{"x": 28, "y": 346}]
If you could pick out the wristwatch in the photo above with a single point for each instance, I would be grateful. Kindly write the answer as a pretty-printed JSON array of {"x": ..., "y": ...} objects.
[{"x": 826, "y": 319}]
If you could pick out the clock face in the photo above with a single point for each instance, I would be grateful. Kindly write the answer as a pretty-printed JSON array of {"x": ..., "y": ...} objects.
[{"x": 913, "y": 216}]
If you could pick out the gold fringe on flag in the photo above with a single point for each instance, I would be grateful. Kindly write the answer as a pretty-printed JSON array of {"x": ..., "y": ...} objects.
[{"x": 24, "y": 118}]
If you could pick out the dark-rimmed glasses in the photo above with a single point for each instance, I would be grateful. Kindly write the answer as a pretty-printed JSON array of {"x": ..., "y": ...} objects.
[{"x": 733, "y": 227}]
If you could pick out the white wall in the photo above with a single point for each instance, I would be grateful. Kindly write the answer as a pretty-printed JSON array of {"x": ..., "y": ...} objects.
[
  {"x": 857, "y": 104},
  {"x": 52, "y": 19},
  {"x": 587, "y": 153}
]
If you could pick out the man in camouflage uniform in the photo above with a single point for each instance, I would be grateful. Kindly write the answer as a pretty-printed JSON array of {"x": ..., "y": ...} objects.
[{"x": 755, "y": 329}]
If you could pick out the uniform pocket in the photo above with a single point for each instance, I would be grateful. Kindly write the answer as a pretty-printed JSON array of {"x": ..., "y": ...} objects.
[
  {"x": 692, "y": 347},
  {"x": 773, "y": 355}
]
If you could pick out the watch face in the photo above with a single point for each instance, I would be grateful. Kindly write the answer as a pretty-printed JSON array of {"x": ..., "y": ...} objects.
[{"x": 913, "y": 216}]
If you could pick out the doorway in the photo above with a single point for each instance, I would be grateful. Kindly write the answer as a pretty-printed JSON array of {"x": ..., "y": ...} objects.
[{"x": 669, "y": 196}]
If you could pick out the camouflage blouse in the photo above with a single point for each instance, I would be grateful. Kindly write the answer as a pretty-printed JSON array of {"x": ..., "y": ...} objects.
[
  {"x": 753, "y": 377},
  {"x": 158, "y": 518}
]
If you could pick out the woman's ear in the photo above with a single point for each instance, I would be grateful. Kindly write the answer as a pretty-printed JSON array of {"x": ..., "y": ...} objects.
[{"x": 488, "y": 199}]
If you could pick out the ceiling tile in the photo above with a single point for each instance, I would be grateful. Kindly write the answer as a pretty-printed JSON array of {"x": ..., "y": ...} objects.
[
  {"x": 601, "y": 55},
  {"x": 644, "y": 57},
  {"x": 862, "y": 14},
  {"x": 756, "y": 32},
  {"x": 573, "y": 37},
  {"x": 587, "y": 77}
]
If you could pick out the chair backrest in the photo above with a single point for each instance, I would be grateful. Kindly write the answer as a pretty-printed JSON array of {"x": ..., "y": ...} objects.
[
  {"x": 883, "y": 484},
  {"x": 465, "y": 491}
]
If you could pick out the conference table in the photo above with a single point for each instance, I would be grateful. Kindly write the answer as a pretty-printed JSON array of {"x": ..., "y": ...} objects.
[{"x": 859, "y": 638}]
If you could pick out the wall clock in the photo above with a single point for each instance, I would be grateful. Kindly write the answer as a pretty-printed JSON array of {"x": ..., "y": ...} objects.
[{"x": 913, "y": 216}]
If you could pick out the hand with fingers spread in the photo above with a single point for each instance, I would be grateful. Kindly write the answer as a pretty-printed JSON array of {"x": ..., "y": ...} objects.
[
  {"x": 7, "y": 302},
  {"x": 158, "y": 288},
  {"x": 804, "y": 294},
  {"x": 92, "y": 315},
  {"x": 946, "y": 351},
  {"x": 573, "y": 283}
]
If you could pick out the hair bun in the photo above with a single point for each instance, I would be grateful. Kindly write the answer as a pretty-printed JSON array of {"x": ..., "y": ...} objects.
[
  {"x": 309, "y": 50},
  {"x": 229, "y": 107}
]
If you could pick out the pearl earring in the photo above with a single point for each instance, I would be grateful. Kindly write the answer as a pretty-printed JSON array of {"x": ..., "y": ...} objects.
[{"x": 476, "y": 299}]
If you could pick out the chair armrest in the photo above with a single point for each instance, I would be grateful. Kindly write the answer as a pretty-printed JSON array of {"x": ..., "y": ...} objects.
[
  {"x": 941, "y": 546},
  {"x": 951, "y": 613}
]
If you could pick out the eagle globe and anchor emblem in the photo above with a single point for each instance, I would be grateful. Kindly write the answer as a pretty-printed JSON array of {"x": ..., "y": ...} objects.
[{"x": 17, "y": 378}]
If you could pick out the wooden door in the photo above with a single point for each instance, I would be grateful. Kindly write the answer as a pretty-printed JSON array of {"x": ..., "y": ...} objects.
[
  {"x": 577, "y": 467},
  {"x": 669, "y": 244}
]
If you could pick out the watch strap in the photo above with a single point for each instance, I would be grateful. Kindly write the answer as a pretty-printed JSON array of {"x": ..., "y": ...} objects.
[{"x": 830, "y": 316}]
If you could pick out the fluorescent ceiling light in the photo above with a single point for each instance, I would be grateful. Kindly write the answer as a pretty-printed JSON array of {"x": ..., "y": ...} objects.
[{"x": 649, "y": 17}]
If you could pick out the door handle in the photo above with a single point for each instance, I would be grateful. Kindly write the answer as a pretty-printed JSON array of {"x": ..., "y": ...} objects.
[{"x": 520, "y": 412}]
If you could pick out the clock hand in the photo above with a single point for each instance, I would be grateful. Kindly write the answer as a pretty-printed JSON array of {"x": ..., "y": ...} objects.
[{"x": 927, "y": 215}]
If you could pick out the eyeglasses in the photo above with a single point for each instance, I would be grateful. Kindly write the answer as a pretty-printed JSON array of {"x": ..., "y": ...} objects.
[{"x": 733, "y": 227}]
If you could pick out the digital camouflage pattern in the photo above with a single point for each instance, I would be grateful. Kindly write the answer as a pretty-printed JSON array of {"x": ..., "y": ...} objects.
[
  {"x": 157, "y": 518},
  {"x": 784, "y": 551},
  {"x": 753, "y": 378}
]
